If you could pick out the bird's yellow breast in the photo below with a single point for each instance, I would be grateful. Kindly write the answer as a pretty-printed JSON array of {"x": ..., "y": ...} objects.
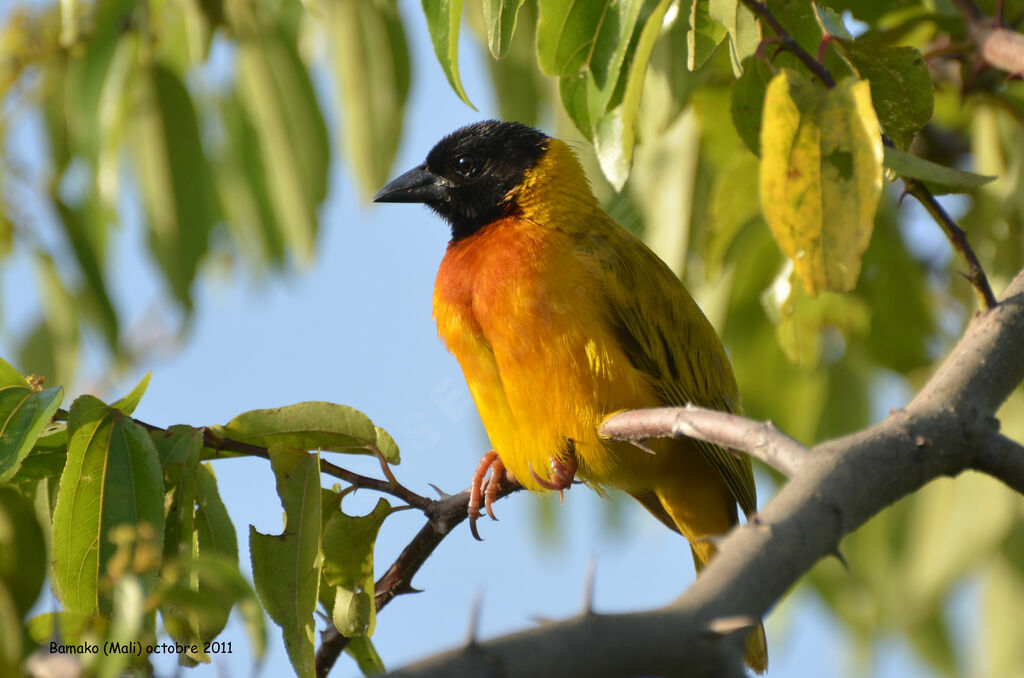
[{"x": 517, "y": 311}]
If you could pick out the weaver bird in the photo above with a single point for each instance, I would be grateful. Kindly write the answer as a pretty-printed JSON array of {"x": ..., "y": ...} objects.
[{"x": 560, "y": 318}]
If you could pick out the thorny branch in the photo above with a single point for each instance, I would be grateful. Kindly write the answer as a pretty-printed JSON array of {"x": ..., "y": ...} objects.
[{"x": 760, "y": 440}]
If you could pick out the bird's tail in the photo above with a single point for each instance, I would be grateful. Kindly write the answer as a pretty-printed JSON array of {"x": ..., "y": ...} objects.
[{"x": 756, "y": 653}]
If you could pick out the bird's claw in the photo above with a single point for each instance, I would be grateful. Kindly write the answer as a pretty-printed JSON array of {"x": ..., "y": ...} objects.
[
  {"x": 562, "y": 475},
  {"x": 485, "y": 485}
]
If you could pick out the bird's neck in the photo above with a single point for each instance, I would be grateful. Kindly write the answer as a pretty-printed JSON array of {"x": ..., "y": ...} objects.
[{"x": 555, "y": 192}]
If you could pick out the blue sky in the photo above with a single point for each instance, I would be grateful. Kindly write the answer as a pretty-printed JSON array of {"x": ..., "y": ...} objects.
[{"x": 355, "y": 328}]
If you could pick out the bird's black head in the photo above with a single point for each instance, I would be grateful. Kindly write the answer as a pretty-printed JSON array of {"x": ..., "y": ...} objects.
[{"x": 468, "y": 174}]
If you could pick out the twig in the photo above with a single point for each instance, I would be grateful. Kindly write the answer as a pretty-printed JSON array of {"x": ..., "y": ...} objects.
[
  {"x": 237, "y": 447},
  {"x": 444, "y": 516},
  {"x": 790, "y": 43},
  {"x": 758, "y": 439},
  {"x": 957, "y": 237}
]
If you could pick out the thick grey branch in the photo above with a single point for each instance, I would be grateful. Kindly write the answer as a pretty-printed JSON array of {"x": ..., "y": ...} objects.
[
  {"x": 947, "y": 428},
  {"x": 760, "y": 440},
  {"x": 1002, "y": 458}
]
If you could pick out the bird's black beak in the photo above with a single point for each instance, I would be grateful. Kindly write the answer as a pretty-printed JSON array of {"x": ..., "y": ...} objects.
[{"x": 416, "y": 185}]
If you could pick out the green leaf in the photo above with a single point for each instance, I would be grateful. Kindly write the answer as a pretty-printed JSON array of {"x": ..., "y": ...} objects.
[
  {"x": 830, "y": 21},
  {"x": 566, "y": 33},
  {"x": 500, "y": 17},
  {"x": 615, "y": 132},
  {"x": 111, "y": 480},
  {"x": 821, "y": 176},
  {"x": 22, "y": 552},
  {"x": 520, "y": 88},
  {"x": 348, "y": 565},
  {"x": 733, "y": 205},
  {"x": 245, "y": 187},
  {"x": 800, "y": 321},
  {"x": 603, "y": 100},
  {"x": 704, "y": 36},
  {"x": 286, "y": 567},
  {"x": 178, "y": 450},
  {"x": 86, "y": 233},
  {"x": 669, "y": 86},
  {"x": 939, "y": 180},
  {"x": 37, "y": 351},
  {"x": 903, "y": 326},
  {"x": 443, "y": 20},
  {"x": 177, "y": 184},
  {"x": 309, "y": 426},
  {"x": 24, "y": 413},
  {"x": 214, "y": 530},
  {"x": 371, "y": 64},
  {"x": 278, "y": 96},
  {"x": 361, "y": 649},
  {"x": 131, "y": 400},
  {"x": 61, "y": 312},
  {"x": 901, "y": 86},
  {"x": 742, "y": 28},
  {"x": 86, "y": 74},
  {"x": 746, "y": 100},
  {"x": 193, "y": 614}
]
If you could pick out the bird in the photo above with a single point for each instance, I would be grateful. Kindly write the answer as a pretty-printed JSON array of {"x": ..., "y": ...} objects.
[{"x": 560, "y": 318}]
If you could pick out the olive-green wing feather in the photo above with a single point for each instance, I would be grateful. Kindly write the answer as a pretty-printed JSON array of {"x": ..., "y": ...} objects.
[{"x": 666, "y": 336}]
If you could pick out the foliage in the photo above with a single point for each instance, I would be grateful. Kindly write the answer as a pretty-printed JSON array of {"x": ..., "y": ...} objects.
[{"x": 207, "y": 110}]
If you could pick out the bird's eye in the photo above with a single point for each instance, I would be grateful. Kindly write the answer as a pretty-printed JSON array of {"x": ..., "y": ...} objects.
[{"x": 465, "y": 165}]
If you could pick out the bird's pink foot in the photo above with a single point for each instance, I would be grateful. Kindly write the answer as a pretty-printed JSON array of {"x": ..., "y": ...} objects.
[
  {"x": 487, "y": 479},
  {"x": 563, "y": 473}
]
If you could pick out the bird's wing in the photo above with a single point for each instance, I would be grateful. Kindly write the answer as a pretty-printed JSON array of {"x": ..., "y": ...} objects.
[{"x": 666, "y": 336}]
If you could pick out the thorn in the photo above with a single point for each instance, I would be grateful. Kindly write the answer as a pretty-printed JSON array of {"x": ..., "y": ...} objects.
[
  {"x": 589, "y": 581},
  {"x": 839, "y": 556},
  {"x": 903, "y": 194},
  {"x": 408, "y": 588},
  {"x": 724, "y": 626},
  {"x": 440, "y": 493},
  {"x": 474, "y": 618},
  {"x": 645, "y": 448}
]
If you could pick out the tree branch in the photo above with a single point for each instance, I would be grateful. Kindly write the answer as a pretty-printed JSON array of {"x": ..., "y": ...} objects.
[
  {"x": 957, "y": 237},
  {"x": 997, "y": 45},
  {"x": 947, "y": 428},
  {"x": 789, "y": 43},
  {"x": 1002, "y": 458},
  {"x": 758, "y": 439},
  {"x": 444, "y": 516}
]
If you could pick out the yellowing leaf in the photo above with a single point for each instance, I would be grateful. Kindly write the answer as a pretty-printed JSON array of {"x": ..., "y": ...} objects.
[{"x": 821, "y": 176}]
